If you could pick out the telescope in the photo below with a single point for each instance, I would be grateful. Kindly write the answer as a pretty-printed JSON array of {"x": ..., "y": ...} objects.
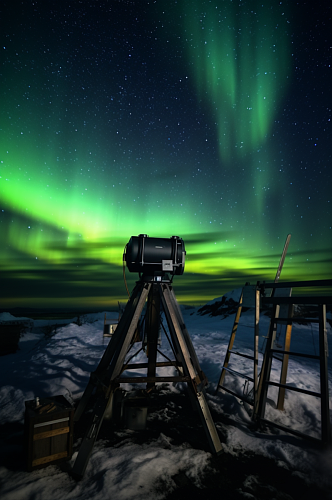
[{"x": 155, "y": 257}]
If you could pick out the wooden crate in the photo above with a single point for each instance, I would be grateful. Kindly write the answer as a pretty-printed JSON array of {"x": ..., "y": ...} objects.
[{"x": 48, "y": 432}]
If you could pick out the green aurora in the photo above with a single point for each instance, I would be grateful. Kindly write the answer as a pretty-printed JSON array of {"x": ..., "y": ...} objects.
[
  {"x": 94, "y": 149},
  {"x": 241, "y": 62}
]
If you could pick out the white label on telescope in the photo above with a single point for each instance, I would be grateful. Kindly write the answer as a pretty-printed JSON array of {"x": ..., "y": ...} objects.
[{"x": 167, "y": 265}]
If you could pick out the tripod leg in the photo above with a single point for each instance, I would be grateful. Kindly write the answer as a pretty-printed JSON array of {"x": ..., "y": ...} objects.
[
  {"x": 88, "y": 442},
  {"x": 114, "y": 370},
  {"x": 186, "y": 335},
  {"x": 152, "y": 325},
  {"x": 208, "y": 424},
  {"x": 119, "y": 349},
  {"x": 177, "y": 333},
  {"x": 97, "y": 377}
]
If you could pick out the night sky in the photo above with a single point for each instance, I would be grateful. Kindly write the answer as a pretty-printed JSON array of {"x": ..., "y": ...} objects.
[{"x": 210, "y": 120}]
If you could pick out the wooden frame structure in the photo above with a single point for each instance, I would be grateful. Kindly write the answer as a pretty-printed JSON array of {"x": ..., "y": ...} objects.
[
  {"x": 254, "y": 301},
  {"x": 271, "y": 352},
  {"x": 262, "y": 382}
]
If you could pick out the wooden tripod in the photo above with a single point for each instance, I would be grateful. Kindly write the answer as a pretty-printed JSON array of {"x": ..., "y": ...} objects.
[{"x": 107, "y": 376}]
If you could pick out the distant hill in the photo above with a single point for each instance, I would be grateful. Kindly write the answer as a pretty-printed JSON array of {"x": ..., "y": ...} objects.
[{"x": 222, "y": 306}]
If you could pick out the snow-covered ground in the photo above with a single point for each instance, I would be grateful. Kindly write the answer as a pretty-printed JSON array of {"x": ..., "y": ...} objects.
[{"x": 50, "y": 363}]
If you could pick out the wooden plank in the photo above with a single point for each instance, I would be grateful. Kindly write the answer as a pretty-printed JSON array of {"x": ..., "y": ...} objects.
[
  {"x": 148, "y": 380},
  {"x": 300, "y": 299},
  {"x": 295, "y": 389},
  {"x": 282, "y": 259},
  {"x": 50, "y": 458},
  {"x": 243, "y": 355},
  {"x": 293, "y": 353},
  {"x": 231, "y": 342},
  {"x": 234, "y": 372},
  {"x": 53, "y": 432},
  {"x": 139, "y": 366},
  {"x": 297, "y": 284},
  {"x": 298, "y": 319},
  {"x": 49, "y": 422},
  {"x": 291, "y": 431}
]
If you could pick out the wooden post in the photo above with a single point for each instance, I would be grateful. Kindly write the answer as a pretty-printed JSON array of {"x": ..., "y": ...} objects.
[
  {"x": 259, "y": 408},
  {"x": 284, "y": 367},
  {"x": 324, "y": 380},
  {"x": 256, "y": 341}
]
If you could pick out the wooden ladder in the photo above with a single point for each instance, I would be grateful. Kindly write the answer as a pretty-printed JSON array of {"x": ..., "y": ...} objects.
[
  {"x": 250, "y": 297},
  {"x": 271, "y": 353}
]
